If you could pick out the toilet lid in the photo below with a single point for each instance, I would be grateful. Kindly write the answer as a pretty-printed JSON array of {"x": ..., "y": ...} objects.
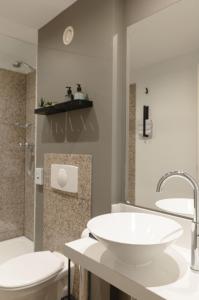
[{"x": 29, "y": 269}]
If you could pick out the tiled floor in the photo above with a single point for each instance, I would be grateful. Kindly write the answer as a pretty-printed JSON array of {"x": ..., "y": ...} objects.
[{"x": 15, "y": 247}]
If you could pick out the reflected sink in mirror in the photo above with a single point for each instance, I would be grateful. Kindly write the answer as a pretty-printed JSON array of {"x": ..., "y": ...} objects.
[
  {"x": 179, "y": 206},
  {"x": 135, "y": 238}
]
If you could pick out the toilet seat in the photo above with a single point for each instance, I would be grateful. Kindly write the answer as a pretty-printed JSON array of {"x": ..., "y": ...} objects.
[{"x": 29, "y": 270}]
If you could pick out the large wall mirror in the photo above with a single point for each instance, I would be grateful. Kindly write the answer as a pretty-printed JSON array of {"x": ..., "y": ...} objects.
[{"x": 162, "y": 109}]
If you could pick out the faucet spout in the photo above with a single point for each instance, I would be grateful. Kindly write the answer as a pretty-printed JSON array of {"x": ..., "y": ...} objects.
[{"x": 195, "y": 239}]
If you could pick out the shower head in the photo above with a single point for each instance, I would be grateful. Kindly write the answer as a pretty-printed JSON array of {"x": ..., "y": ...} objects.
[{"x": 19, "y": 64}]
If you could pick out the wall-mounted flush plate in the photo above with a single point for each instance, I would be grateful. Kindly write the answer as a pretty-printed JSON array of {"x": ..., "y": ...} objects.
[{"x": 64, "y": 178}]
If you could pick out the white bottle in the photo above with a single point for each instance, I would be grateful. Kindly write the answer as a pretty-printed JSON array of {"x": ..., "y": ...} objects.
[{"x": 79, "y": 95}]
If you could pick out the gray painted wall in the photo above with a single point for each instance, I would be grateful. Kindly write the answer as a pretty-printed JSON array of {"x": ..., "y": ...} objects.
[
  {"x": 88, "y": 60},
  {"x": 97, "y": 131}
]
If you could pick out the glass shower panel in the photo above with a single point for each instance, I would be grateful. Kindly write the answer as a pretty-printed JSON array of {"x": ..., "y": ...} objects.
[{"x": 17, "y": 136}]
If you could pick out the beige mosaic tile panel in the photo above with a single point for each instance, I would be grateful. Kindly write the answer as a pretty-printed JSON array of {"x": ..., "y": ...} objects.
[
  {"x": 131, "y": 143},
  {"x": 65, "y": 215}
]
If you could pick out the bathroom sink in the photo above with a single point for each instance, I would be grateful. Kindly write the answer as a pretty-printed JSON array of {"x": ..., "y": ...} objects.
[
  {"x": 180, "y": 206},
  {"x": 135, "y": 238}
]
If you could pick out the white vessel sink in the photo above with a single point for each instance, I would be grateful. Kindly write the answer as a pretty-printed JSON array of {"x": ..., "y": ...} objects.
[
  {"x": 135, "y": 238},
  {"x": 180, "y": 206}
]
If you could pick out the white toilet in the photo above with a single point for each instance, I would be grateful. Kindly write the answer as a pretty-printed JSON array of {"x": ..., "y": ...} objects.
[{"x": 35, "y": 276}]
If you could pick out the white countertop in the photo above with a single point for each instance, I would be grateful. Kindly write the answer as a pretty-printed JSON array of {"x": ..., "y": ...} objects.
[{"x": 168, "y": 277}]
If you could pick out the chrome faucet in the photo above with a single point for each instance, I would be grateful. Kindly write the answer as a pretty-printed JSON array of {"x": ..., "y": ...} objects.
[{"x": 195, "y": 221}]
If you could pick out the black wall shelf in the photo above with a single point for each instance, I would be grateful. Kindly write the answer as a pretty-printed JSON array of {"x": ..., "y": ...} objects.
[{"x": 64, "y": 107}]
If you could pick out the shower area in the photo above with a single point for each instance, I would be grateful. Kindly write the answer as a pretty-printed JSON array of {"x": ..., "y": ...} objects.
[{"x": 17, "y": 150}]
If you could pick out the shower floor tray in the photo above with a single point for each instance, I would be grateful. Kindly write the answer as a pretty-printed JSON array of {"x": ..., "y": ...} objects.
[{"x": 15, "y": 247}]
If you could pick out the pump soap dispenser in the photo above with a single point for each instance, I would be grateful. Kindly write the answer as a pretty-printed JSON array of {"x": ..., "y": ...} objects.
[
  {"x": 79, "y": 95},
  {"x": 69, "y": 95}
]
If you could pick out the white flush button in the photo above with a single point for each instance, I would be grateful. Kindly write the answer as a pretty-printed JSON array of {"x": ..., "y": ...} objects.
[{"x": 64, "y": 178}]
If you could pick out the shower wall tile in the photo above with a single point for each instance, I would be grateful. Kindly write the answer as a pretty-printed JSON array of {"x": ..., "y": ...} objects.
[
  {"x": 12, "y": 189},
  {"x": 12, "y": 163},
  {"x": 65, "y": 215},
  {"x": 12, "y": 218},
  {"x": 11, "y": 137},
  {"x": 8, "y": 235},
  {"x": 12, "y": 97},
  {"x": 30, "y": 157}
]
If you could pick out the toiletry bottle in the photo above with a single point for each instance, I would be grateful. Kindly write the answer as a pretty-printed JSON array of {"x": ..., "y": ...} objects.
[
  {"x": 79, "y": 95},
  {"x": 69, "y": 95},
  {"x": 42, "y": 102}
]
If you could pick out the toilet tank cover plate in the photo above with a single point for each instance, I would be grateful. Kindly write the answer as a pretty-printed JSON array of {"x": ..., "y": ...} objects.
[{"x": 29, "y": 269}]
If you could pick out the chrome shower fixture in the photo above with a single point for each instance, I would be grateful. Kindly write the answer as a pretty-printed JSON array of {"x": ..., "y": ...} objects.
[
  {"x": 19, "y": 64},
  {"x": 23, "y": 125},
  {"x": 26, "y": 145},
  {"x": 28, "y": 148}
]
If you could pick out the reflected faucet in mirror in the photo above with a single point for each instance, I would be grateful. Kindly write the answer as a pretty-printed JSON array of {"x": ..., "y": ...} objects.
[{"x": 195, "y": 187}]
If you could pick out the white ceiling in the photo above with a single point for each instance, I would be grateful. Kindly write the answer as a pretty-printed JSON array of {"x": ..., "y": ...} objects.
[
  {"x": 19, "y": 24},
  {"x": 12, "y": 50},
  {"x": 32, "y": 13}
]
